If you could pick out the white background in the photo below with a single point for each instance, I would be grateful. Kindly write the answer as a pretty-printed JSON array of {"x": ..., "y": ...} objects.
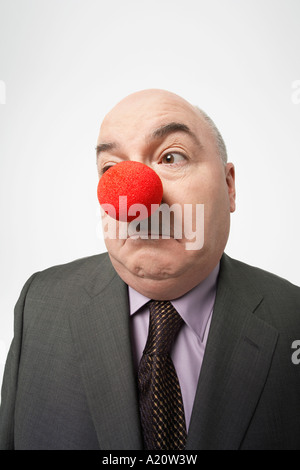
[{"x": 65, "y": 63}]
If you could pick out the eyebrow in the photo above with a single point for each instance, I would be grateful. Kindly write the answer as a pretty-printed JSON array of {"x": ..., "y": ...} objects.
[
  {"x": 106, "y": 147},
  {"x": 172, "y": 127}
]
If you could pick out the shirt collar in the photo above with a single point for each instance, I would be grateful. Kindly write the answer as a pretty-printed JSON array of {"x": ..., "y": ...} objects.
[{"x": 195, "y": 307}]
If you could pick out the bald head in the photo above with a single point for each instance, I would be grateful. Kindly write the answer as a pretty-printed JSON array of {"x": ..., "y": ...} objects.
[
  {"x": 140, "y": 101},
  {"x": 139, "y": 98}
]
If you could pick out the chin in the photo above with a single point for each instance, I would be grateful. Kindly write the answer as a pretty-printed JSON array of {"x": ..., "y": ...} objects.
[{"x": 168, "y": 262}]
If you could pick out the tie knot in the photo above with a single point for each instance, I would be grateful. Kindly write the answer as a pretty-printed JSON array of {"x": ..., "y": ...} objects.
[{"x": 165, "y": 323}]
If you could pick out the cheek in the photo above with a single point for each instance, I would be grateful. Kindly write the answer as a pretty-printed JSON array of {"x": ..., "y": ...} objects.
[
  {"x": 112, "y": 245},
  {"x": 201, "y": 184},
  {"x": 112, "y": 231},
  {"x": 210, "y": 189},
  {"x": 217, "y": 207}
]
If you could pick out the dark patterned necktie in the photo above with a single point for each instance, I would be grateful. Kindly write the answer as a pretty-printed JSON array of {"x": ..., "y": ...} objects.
[{"x": 161, "y": 406}]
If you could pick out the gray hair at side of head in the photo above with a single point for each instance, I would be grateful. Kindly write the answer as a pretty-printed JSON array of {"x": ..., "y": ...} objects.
[{"x": 216, "y": 134}]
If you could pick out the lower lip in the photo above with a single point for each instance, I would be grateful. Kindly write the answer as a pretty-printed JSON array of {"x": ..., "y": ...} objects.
[{"x": 149, "y": 236}]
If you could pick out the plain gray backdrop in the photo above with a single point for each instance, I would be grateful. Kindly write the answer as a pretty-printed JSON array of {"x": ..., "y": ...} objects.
[{"x": 65, "y": 63}]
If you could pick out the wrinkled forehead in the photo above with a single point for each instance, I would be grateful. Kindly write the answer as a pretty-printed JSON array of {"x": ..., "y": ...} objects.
[{"x": 145, "y": 112}]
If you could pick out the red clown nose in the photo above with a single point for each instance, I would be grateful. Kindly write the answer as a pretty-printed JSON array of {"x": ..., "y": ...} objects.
[{"x": 138, "y": 182}]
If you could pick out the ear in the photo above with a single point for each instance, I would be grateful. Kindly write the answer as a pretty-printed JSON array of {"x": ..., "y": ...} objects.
[{"x": 230, "y": 180}]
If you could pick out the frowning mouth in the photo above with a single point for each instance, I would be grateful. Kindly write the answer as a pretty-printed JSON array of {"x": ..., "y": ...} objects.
[{"x": 151, "y": 236}]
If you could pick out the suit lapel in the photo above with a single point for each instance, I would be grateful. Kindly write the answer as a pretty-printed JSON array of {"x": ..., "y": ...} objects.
[
  {"x": 235, "y": 367},
  {"x": 102, "y": 336}
]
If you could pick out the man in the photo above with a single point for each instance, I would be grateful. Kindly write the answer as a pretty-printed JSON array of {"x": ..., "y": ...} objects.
[{"x": 73, "y": 378}]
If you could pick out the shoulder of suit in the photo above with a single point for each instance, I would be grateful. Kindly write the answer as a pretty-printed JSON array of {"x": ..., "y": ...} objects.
[
  {"x": 281, "y": 297},
  {"x": 72, "y": 280},
  {"x": 262, "y": 279}
]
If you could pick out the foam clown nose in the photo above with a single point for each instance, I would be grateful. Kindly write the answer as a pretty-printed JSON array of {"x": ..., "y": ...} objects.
[{"x": 138, "y": 182}]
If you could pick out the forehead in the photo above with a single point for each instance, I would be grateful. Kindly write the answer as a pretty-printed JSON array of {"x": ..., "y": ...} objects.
[{"x": 147, "y": 112}]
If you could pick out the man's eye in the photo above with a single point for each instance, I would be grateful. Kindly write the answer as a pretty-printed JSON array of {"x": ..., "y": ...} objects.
[
  {"x": 105, "y": 168},
  {"x": 172, "y": 157}
]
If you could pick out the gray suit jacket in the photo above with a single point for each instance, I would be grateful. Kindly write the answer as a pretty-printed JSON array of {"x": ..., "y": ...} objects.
[{"x": 69, "y": 381}]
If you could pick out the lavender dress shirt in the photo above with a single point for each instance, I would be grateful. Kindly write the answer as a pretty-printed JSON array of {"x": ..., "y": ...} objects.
[{"x": 195, "y": 307}]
